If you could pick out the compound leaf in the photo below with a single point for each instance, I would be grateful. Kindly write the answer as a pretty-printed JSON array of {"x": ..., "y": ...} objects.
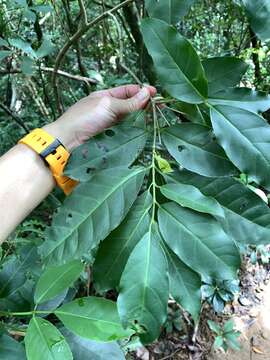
[{"x": 177, "y": 64}]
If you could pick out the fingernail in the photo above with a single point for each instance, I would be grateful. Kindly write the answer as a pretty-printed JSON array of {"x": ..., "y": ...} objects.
[{"x": 143, "y": 94}]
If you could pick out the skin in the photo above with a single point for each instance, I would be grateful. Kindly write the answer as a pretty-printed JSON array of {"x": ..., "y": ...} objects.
[{"x": 26, "y": 180}]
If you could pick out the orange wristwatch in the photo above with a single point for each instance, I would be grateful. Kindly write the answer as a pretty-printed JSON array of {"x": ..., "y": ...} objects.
[{"x": 53, "y": 153}]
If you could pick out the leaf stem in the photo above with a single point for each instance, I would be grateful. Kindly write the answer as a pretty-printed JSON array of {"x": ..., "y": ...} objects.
[
  {"x": 153, "y": 166},
  {"x": 25, "y": 313}
]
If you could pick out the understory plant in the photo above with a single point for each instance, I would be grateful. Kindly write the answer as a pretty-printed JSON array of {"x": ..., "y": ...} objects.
[{"x": 160, "y": 209}]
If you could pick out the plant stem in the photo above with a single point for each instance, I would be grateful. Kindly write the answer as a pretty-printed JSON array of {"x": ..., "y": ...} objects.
[{"x": 25, "y": 313}]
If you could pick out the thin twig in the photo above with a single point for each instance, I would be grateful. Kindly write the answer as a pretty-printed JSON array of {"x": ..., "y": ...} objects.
[
  {"x": 83, "y": 12},
  {"x": 79, "y": 33},
  {"x": 15, "y": 117}
]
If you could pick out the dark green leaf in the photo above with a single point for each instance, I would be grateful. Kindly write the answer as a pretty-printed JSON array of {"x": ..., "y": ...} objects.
[
  {"x": 22, "y": 45},
  {"x": 144, "y": 287},
  {"x": 194, "y": 236},
  {"x": 46, "y": 48},
  {"x": 92, "y": 318},
  {"x": 177, "y": 63},
  {"x": 218, "y": 303},
  {"x": 170, "y": 11},
  {"x": 43, "y": 341},
  {"x": 223, "y": 72},
  {"x": 56, "y": 279},
  {"x": 115, "y": 250},
  {"x": 197, "y": 114},
  {"x": 247, "y": 216},
  {"x": 11, "y": 349},
  {"x": 191, "y": 197},
  {"x": 245, "y": 137},
  {"x": 192, "y": 145},
  {"x": 117, "y": 146},
  {"x": 207, "y": 291},
  {"x": 258, "y": 13},
  {"x": 104, "y": 202},
  {"x": 83, "y": 349},
  {"x": 243, "y": 98},
  {"x": 27, "y": 65},
  {"x": 184, "y": 284}
]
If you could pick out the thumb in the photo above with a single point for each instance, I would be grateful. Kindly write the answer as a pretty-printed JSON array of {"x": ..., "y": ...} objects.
[{"x": 137, "y": 102}]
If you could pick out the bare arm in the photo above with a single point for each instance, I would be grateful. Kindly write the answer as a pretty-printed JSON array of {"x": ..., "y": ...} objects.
[{"x": 25, "y": 179}]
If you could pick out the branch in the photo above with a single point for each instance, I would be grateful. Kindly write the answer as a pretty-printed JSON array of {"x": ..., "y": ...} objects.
[
  {"x": 83, "y": 12},
  {"x": 15, "y": 117},
  {"x": 79, "y": 33},
  {"x": 59, "y": 72}
]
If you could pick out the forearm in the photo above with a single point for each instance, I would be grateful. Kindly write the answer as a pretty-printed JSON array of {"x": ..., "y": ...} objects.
[{"x": 25, "y": 182}]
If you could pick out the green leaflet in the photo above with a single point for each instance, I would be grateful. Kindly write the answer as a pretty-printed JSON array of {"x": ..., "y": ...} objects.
[
  {"x": 245, "y": 137},
  {"x": 13, "y": 273},
  {"x": 199, "y": 241},
  {"x": 192, "y": 145},
  {"x": 185, "y": 284},
  {"x": 198, "y": 114},
  {"x": 256, "y": 101},
  {"x": 191, "y": 197},
  {"x": 104, "y": 202},
  {"x": 56, "y": 279},
  {"x": 115, "y": 250},
  {"x": 11, "y": 349},
  {"x": 247, "y": 216},
  {"x": 258, "y": 13},
  {"x": 92, "y": 318},
  {"x": 177, "y": 64},
  {"x": 117, "y": 146},
  {"x": 223, "y": 72},
  {"x": 43, "y": 341},
  {"x": 144, "y": 287},
  {"x": 170, "y": 11}
]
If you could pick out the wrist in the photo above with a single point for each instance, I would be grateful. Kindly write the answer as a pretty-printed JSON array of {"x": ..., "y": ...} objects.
[{"x": 62, "y": 133}]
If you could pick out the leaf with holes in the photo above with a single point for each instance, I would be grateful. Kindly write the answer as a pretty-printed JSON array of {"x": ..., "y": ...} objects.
[
  {"x": 115, "y": 250},
  {"x": 193, "y": 236},
  {"x": 193, "y": 147},
  {"x": 247, "y": 217},
  {"x": 104, "y": 202},
  {"x": 92, "y": 318},
  {"x": 245, "y": 137},
  {"x": 116, "y": 147},
  {"x": 177, "y": 64}
]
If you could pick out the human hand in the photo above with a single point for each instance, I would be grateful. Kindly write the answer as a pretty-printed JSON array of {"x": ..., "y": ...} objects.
[{"x": 98, "y": 111}]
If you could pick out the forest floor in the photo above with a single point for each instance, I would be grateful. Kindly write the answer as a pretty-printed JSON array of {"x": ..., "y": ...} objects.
[{"x": 251, "y": 314}]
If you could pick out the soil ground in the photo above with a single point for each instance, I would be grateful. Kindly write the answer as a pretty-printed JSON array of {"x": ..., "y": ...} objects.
[{"x": 251, "y": 313}]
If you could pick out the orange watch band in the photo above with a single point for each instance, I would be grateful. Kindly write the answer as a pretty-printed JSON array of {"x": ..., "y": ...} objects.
[{"x": 54, "y": 153}]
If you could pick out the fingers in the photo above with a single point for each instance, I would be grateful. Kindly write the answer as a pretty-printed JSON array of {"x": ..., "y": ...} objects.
[
  {"x": 123, "y": 92},
  {"x": 136, "y": 102}
]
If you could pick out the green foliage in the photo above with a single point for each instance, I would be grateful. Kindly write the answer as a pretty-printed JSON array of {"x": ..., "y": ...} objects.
[
  {"x": 165, "y": 199},
  {"x": 226, "y": 336}
]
